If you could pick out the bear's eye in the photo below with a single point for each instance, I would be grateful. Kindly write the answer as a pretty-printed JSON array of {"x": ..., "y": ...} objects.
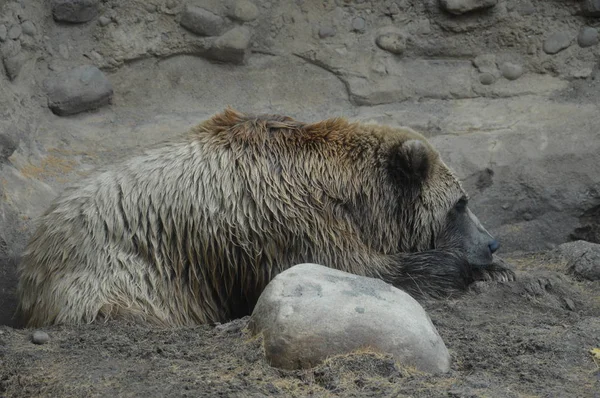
[{"x": 461, "y": 204}]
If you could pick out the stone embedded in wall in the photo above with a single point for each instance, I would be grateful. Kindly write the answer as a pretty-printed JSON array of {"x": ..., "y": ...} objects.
[
  {"x": 201, "y": 22},
  {"x": 486, "y": 79},
  {"x": 74, "y": 11},
  {"x": 557, "y": 42},
  {"x": 78, "y": 90},
  {"x": 511, "y": 71},
  {"x": 15, "y": 32},
  {"x": 458, "y": 7},
  {"x": 243, "y": 10},
  {"x": 587, "y": 37},
  {"x": 394, "y": 42},
  {"x": 583, "y": 258},
  {"x": 326, "y": 31},
  {"x": 232, "y": 46},
  {"x": 14, "y": 64},
  {"x": 29, "y": 28},
  {"x": 359, "y": 24}
]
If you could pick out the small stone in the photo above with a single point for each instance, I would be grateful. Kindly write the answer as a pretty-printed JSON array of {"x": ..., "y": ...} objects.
[
  {"x": 358, "y": 24},
  {"x": 458, "y": 7},
  {"x": 244, "y": 10},
  {"x": 591, "y": 8},
  {"x": 511, "y": 71},
  {"x": 526, "y": 8},
  {"x": 392, "y": 41},
  {"x": 557, "y": 42},
  {"x": 232, "y": 46},
  {"x": 172, "y": 4},
  {"x": 29, "y": 28},
  {"x": 527, "y": 216},
  {"x": 587, "y": 37},
  {"x": 40, "y": 337},
  {"x": 74, "y": 11},
  {"x": 3, "y": 32},
  {"x": 486, "y": 79},
  {"x": 78, "y": 90},
  {"x": 7, "y": 148},
  {"x": 201, "y": 22},
  {"x": 104, "y": 20},
  {"x": 15, "y": 32},
  {"x": 326, "y": 31}
]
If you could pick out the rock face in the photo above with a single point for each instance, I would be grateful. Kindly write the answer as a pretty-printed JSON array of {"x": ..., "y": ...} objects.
[
  {"x": 74, "y": 11},
  {"x": 583, "y": 258},
  {"x": 462, "y": 6},
  {"x": 201, "y": 21},
  {"x": 310, "y": 312},
  {"x": 78, "y": 90}
]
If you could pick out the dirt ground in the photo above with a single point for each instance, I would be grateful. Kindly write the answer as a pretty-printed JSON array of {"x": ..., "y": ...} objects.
[{"x": 529, "y": 338}]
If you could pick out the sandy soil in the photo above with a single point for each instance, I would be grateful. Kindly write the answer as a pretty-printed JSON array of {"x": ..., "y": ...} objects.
[{"x": 529, "y": 338}]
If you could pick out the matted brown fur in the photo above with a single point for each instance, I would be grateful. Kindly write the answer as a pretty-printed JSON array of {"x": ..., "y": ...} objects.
[{"x": 192, "y": 231}]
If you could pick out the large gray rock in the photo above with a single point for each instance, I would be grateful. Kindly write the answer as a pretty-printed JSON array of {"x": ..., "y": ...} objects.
[
  {"x": 78, "y": 90},
  {"x": 462, "y": 6},
  {"x": 201, "y": 22},
  {"x": 232, "y": 47},
  {"x": 583, "y": 258},
  {"x": 74, "y": 11},
  {"x": 310, "y": 312}
]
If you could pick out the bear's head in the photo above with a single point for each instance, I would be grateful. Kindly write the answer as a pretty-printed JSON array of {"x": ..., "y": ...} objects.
[{"x": 430, "y": 200}]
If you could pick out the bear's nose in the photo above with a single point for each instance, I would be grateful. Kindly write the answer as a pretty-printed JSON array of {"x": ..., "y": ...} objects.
[{"x": 494, "y": 246}]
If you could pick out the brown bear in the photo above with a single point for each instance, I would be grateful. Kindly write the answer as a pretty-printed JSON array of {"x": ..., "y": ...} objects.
[{"x": 192, "y": 231}]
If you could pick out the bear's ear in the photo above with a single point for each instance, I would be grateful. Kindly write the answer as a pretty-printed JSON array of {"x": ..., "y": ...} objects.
[{"x": 409, "y": 162}]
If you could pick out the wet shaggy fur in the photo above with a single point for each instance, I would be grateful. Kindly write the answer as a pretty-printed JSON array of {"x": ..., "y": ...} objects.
[{"x": 191, "y": 232}]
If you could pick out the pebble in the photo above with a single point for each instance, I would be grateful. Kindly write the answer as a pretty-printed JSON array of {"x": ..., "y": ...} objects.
[
  {"x": 392, "y": 42},
  {"x": 15, "y": 32},
  {"x": 40, "y": 337},
  {"x": 244, "y": 10},
  {"x": 171, "y": 4},
  {"x": 75, "y": 11},
  {"x": 358, "y": 24},
  {"x": 326, "y": 31},
  {"x": 486, "y": 79},
  {"x": 28, "y": 28},
  {"x": 201, "y": 21},
  {"x": 587, "y": 37},
  {"x": 511, "y": 71},
  {"x": 104, "y": 20},
  {"x": 557, "y": 42},
  {"x": 3, "y": 32}
]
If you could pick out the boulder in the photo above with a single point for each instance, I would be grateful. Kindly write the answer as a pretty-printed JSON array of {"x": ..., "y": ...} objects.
[
  {"x": 78, "y": 90},
  {"x": 310, "y": 312}
]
